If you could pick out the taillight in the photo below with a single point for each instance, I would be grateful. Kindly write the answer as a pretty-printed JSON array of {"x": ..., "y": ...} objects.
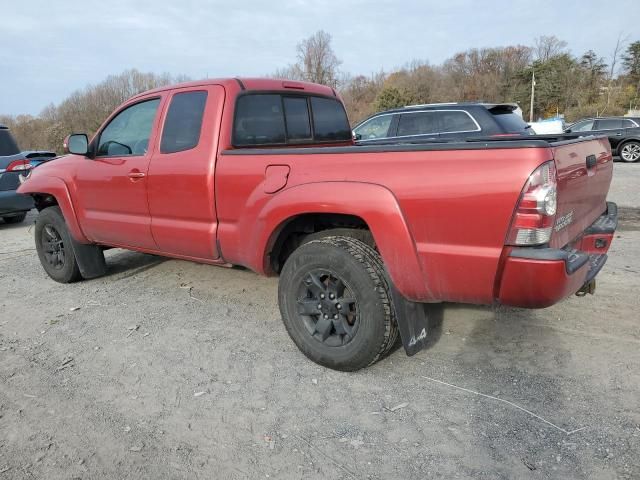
[
  {"x": 535, "y": 214},
  {"x": 19, "y": 165}
]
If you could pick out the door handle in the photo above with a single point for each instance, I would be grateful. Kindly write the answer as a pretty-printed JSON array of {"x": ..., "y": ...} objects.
[
  {"x": 135, "y": 174},
  {"x": 619, "y": 134}
]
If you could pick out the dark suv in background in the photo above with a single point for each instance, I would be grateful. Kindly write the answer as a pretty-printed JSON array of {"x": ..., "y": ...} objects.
[
  {"x": 442, "y": 121},
  {"x": 13, "y": 206},
  {"x": 623, "y": 133}
]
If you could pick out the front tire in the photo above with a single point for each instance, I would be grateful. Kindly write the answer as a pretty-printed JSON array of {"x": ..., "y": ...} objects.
[
  {"x": 55, "y": 247},
  {"x": 630, "y": 152},
  {"x": 336, "y": 305}
]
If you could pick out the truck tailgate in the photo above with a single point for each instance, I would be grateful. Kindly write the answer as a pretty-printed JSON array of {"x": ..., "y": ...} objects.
[{"x": 585, "y": 168}]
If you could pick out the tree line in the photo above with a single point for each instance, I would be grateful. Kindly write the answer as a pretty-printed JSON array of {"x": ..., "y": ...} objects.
[{"x": 576, "y": 86}]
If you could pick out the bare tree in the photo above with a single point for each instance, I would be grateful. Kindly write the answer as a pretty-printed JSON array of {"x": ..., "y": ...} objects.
[
  {"x": 612, "y": 71},
  {"x": 317, "y": 61},
  {"x": 547, "y": 46}
]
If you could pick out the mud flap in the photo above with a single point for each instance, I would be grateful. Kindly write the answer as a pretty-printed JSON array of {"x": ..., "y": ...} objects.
[
  {"x": 90, "y": 260},
  {"x": 413, "y": 322}
]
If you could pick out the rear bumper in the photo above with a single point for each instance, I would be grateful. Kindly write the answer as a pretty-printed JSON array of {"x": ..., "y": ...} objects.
[
  {"x": 13, "y": 202},
  {"x": 540, "y": 277}
]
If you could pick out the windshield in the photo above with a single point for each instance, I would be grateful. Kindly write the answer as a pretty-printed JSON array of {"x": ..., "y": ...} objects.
[{"x": 8, "y": 145}]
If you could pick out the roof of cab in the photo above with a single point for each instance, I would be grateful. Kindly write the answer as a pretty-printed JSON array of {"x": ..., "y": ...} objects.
[{"x": 251, "y": 84}]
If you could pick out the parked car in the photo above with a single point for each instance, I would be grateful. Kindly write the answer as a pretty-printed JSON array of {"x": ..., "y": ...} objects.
[
  {"x": 13, "y": 206},
  {"x": 623, "y": 134},
  {"x": 442, "y": 121},
  {"x": 264, "y": 174},
  {"x": 37, "y": 157}
]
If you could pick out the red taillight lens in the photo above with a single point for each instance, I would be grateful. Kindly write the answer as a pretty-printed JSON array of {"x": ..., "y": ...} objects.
[
  {"x": 19, "y": 165},
  {"x": 535, "y": 214}
]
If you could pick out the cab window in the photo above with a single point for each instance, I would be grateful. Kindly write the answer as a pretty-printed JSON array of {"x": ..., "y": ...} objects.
[
  {"x": 129, "y": 131},
  {"x": 274, "y": 119},
  {"x": 183, "y": 123},
  {"x": 296, "y": 112},
  {"x": 329, "y": 120},
  {"x": 259, "y": 121}
]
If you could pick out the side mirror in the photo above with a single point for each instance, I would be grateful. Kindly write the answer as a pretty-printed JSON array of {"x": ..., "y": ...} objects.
[
  {"x": 357, "y": 136},
  {"x": 76, "y": 143},
  {"x": 567, "y": 130}
]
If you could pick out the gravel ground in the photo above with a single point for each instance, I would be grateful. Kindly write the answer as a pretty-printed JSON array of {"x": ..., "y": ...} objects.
[{"x": 166, "y": 369}]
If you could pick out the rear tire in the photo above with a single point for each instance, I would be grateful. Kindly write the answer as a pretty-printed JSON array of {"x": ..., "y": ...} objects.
[
  {"x": 55, "y": 246},
  {"x": 357, "y": 233},
  {"x": 630, "y": 152},
  {"x": 332, "y": 271},
  {"x": 15, "y": 218}
]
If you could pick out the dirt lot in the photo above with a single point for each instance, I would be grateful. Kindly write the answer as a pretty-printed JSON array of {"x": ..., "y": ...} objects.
[{"x": 168, "y": 369}]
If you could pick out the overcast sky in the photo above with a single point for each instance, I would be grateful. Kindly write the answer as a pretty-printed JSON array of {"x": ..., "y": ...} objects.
[{"x": 51, "y": 48}]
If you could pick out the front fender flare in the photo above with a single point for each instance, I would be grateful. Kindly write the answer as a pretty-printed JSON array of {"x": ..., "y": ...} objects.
[
  {"x": 374, "y": 204},
  {"x": 54, "y": 186}
]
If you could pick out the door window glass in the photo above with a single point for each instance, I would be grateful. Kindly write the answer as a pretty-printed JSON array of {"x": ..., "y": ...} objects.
[
  {"x": 129, "y": 131},
  {"x": 456, "y": 121},
  {"x": 377, "y": 127},
  {"x": 609, "y": 124},
  {"x": 421, "y": 123},
  {"x": 582, "y": 126}
]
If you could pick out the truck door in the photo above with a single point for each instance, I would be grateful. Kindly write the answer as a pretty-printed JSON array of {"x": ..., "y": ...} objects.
[
  {"x": 181, "y": 174},
  {"x": 111, "y": 188}
]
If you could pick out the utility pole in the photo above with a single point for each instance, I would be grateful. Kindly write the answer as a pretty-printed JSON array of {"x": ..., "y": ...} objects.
[{"x": 533, "y": 92}]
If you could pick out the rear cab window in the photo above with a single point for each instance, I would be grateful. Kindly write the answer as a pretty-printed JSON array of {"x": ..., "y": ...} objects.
[
  {"x": 264, "y": 119},
  {"x": 296, "y": 114}
]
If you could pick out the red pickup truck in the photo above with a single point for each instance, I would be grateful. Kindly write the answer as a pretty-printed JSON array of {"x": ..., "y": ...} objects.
[{"x": 264, "y": 174}]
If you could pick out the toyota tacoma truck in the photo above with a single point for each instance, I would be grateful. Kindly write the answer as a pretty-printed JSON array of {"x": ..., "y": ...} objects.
[{"x": 263, "y": 173}]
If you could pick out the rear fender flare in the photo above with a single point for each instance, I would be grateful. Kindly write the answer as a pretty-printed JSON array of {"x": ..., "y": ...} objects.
[
  {"x": 374, "y": 204},
  {"x": 54, "y": 186}
]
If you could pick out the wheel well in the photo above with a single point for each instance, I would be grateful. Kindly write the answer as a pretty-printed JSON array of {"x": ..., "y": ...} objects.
[
  {"x": 44, "y": 200},
  {"x": 297, "y": 229}
]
